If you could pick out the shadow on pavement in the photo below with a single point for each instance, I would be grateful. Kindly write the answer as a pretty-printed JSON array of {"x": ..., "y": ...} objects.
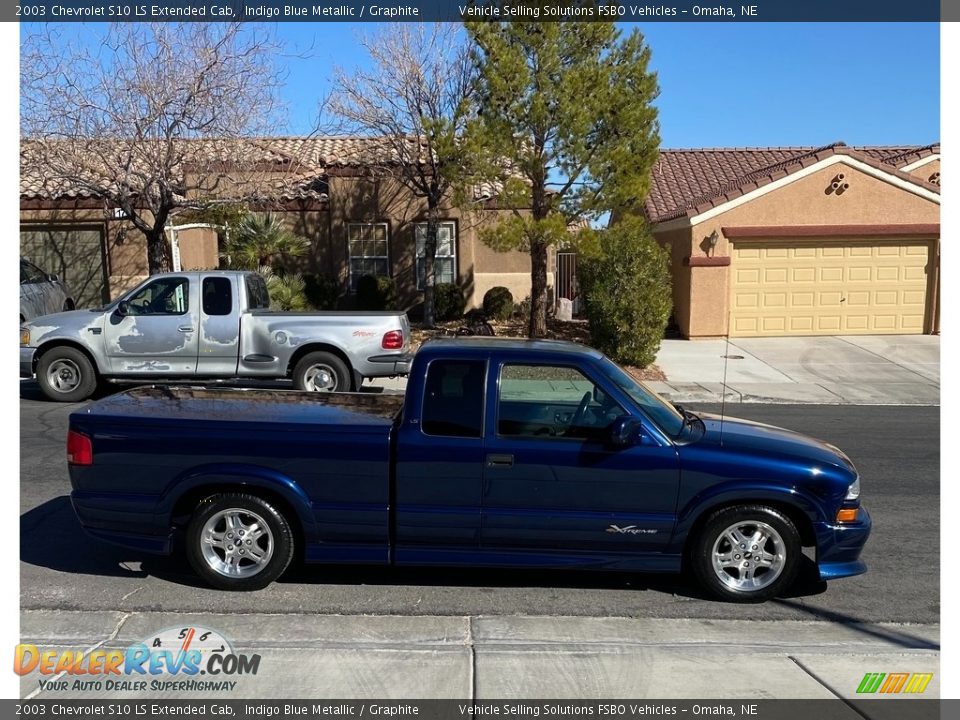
[
  {"x": 51, "y": 537},
  {"x": 887, "y": 634}
]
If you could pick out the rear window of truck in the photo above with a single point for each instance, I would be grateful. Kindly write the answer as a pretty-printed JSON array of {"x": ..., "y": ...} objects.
[{"x": 453, "y": 398}]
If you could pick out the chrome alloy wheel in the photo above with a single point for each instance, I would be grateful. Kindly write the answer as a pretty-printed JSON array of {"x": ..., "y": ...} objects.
[
  {"x": 63, "y": 375},
  {"x": 748, "y": 556},
  {"x": 320, "y": 378},
  {"x": 236, "y": 543}
]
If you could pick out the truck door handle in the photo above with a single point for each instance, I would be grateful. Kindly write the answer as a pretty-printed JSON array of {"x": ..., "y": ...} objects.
[
  {"x": 499, "y": 461},
  {"x": 185, "y": 328}
]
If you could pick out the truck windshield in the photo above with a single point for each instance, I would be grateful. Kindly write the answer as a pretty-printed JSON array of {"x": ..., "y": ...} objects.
[{"x": 659, "y": 410}]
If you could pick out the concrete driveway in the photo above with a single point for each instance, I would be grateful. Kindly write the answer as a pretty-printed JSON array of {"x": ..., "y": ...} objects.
[{"x": 861, "y": 369}]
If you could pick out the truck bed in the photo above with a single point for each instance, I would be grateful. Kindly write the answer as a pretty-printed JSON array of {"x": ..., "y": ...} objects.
[
  {"x": 325, "y": 457},
  {"x": 341, "y": 412}
]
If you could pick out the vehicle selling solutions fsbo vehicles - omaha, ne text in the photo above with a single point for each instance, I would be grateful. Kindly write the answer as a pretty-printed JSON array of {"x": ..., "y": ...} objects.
[
  {"x": 537, "y": 454},
  {"x": 209, "y": 325}
]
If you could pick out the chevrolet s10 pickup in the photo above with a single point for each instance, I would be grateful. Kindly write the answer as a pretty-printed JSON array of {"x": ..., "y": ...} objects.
[
  {"x": 532, "y": 454},
  {"x": 209, "y": 325}
]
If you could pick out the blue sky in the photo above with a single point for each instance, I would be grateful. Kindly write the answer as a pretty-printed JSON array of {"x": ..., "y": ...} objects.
[
  {"x": 725, "y": 84},
  {"x": 729, "y": 84}
]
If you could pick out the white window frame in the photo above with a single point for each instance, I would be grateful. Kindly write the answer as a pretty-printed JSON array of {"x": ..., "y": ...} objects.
[
  {"x": 351, "y": 256},
  {"x": 419, "y": 228}
]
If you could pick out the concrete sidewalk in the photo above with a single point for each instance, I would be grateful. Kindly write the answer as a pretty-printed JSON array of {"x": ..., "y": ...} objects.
[
  {"x": 356, "y": 657},
  {"x": 855, "y": 370}
]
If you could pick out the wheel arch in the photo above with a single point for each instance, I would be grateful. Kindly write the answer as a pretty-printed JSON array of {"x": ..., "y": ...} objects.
[
  {"x": 302, "y": 352},
  {"x": 800, "y": 512},
  {"x": 305, "y": 350},
  {"x": 181, "y": 498},
  {"x": 55, "y": 343}
]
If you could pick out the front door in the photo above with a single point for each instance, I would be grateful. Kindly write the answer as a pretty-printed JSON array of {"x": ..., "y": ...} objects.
[
  {"x": 440, "y": 465},
  {"x": 156, "y": 334},
  {"x": 552, "y": 481}
]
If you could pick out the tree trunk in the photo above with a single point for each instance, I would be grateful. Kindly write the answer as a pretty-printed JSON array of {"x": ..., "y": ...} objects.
[
  {"x": 158, "y": 251},
  {"x": 429, "y": 267},
  {"x": 538, "y": 289}
]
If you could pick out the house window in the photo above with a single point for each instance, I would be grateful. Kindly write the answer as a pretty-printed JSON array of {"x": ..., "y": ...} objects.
[
  {"x": 368, "y": 251},
  {"x": 445, "y": 266}
]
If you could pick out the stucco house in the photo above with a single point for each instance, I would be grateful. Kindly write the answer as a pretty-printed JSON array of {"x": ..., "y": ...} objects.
[
  {"x": 358, "y": 219},
  {"x": 832, "y": 240}
]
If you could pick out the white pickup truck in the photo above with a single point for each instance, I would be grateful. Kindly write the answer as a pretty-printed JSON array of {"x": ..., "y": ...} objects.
[{"x": 209, "y": 325}]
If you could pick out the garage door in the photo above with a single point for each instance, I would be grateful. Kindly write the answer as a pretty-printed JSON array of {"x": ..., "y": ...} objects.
[
  {"x": 829, "y": 288},
  {"x": 75, "y": 254}
]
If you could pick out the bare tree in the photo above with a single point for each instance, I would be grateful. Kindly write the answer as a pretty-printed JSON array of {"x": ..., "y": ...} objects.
[
  {"x": 415, "y": 100},
  {"x": 131, "y": 116}
]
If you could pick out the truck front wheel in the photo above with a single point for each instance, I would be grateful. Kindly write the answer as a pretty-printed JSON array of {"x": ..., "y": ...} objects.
[
  {"x": 238, "y": 542},
  {"x": 66, "y": 375},
  {"x": 321, "y": 372},
  {"x": 746, "y": 553}
]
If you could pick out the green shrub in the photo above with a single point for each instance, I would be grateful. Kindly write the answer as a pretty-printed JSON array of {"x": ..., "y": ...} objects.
[
  {"x": 626, "y": 289},
  {"x": 376, "y": 292},
  {"x": 448, "y": 301},
  {"x": 322, "y": 291},
  {"x": 498, "y": 303}
]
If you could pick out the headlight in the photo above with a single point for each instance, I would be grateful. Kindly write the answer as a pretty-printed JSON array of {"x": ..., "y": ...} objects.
[
  {"x": 853, "y": 492},
  {"x": 24, "y": 336}
]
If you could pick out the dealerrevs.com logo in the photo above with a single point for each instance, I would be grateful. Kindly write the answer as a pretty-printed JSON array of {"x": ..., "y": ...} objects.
[
  {"x": 171, "y": 660},
  {"x": 894, "y": 683}
]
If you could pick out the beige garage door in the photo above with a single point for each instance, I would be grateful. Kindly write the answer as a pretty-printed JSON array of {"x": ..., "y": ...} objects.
[{"x": 829, "y": 287}]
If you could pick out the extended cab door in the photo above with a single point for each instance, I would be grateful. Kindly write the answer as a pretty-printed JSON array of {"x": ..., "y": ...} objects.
[
  {"x": 156, "y": 333},
  {"x": 553, "y": 482},
  {"x": 219, "y": 326},
  {"x": 440, "y": 463}
]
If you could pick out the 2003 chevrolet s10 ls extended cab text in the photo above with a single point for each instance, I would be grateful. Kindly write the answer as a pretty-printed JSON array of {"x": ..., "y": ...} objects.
[{"x": 503, "y": 453}]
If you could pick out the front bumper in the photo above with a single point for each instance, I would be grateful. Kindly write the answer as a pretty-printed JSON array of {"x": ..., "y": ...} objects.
[
  {"x": 839, "y": 547},
  {"x": 26, "y": 361}
]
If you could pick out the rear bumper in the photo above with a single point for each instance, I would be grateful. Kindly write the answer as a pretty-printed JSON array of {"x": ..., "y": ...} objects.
[
  {"x": 26, "y": 361},
  {"x": 121, "y": 523},
  {"x": 387, "y": 365},
  {"x": 839, "y": 547}
]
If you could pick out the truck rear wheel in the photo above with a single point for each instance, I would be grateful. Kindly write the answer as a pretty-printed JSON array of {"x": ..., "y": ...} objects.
[
  {"x": 239, "y": 542},
  {"x": 66, "y": 375},
  {"x": 746, "y": 553},
  {"x": 321, "y": 372}
]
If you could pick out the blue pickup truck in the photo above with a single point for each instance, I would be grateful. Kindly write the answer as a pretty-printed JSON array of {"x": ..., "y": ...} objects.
[{"x": 535, "y": 454}]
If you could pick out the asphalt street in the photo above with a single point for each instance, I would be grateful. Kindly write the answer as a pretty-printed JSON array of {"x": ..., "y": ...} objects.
[{"x": 895, "y": 448}]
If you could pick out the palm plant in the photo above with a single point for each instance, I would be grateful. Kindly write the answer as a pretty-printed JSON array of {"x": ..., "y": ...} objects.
[
  {"x": 262, "y": 240},
  {"x": 286, "y": 291}
]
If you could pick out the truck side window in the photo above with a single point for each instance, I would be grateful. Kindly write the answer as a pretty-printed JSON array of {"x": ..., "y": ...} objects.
[
  {"x": 166, "y": 296},
  {"x": 217, "y": 298},
  {"x": 453, "y": 398},
  {"x": 257, "y": 296},
  {"x": 552, "y": 401}
]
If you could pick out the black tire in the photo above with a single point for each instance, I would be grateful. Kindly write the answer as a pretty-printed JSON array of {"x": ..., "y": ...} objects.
[
  {"x": 316, "y": 367},
  {"x": 250, "y": 509},
  {"x": 65, "y": 374},
  {"x": 773, "y": 574}
]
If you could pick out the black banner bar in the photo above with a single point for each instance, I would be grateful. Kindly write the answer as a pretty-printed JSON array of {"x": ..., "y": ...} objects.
[
  {"x": 744, "y": 709},
  {"x": 493, "y": 10}
]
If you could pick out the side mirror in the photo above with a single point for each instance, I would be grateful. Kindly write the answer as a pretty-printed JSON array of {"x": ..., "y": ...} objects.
[
  {"x": 53, "y": 277},
  {"x": 123, "y": 308},
  {"x": 624, "y": 432}
]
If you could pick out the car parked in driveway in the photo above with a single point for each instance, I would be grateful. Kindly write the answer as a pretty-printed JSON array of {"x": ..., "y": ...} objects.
[
  {"x": 209, "y": 325},
  {"x": 527, "y": 454},
  {"x": 41, "y": 293}
]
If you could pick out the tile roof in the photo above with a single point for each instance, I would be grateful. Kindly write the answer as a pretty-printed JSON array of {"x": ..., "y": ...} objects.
[{"x": 689, "y": 181}]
